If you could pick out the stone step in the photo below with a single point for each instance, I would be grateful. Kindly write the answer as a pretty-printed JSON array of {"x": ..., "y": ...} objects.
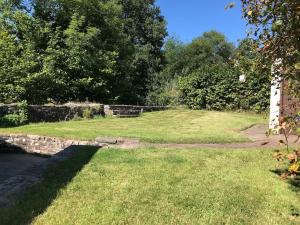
[
  {"x": 126, "y": 116},
  {"x": 126, "y": 112},
  {"x": 132, "y": 107}
]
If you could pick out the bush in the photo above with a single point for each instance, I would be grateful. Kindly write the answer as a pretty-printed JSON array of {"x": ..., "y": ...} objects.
[
  {"x": 169, "y": 94},
  {"x": 11, "y": 120},
  {"x": 87, "y": 113},
  {"x": 16, "y": 119},
  {"x": 218, "y": 88},
  {"x": 288, "y": 159}
]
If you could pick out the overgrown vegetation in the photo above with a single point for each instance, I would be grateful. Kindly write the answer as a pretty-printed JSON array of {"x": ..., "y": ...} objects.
[
  {"x": 204, "y": 74},
  {"x": 288, "y": 158},
  {"x": 275, "y": 27},
  {"x": 112, "y": 52},
  {"x": 16, "y": 119},
  {"x": 56, "y": 51}
]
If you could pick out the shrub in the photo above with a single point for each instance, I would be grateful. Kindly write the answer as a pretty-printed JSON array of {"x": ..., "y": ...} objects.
[
  {"x": 217, "y": 87},
  {"x": 16, "y": 119},
  {"x": 12, "y": 120},
  {"x": 288, "y": 160},
  {"x": 168, "y": 94},
  {"x": 212, "y": 87},
  {"x": 87, "y": 113}
]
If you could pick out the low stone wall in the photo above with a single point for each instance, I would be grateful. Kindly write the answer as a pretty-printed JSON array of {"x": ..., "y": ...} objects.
[
  {"x": 42, "y": 145},
  {"x": 109, "y": 109},
  {"x": 49, "y": 113},
  {"x": 54, "y": 113}
]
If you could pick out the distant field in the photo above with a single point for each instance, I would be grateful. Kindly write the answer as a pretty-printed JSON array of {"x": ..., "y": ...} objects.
[
  {"x": 160, "y": 186},
  {"x": 174, "y": 126}
]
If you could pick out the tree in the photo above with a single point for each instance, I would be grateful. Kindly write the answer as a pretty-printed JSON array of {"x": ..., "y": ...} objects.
[
  {"x": 18, "y": 59},
  {"x": 275, "y": 25},
  {"x": 105, "y": 51},
  {"x": 255, "y": 91},
  {"x": 183, "y": 60},
  {"x": 146, "y": 28}
]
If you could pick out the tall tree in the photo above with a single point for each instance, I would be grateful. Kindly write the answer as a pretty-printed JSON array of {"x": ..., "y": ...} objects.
[
  {"x": 103, "y": 50},
  {"x": 146, "y": 29},
  {"x": 275, "y": 24}
]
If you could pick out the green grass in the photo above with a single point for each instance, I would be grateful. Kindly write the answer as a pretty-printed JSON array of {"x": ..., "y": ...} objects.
[
  {"x": 159, "y": 186},
  {"x": 176, "y": 126}
]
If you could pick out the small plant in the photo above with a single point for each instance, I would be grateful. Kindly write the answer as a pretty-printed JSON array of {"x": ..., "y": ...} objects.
[
  {"x": 77, "y": 117},
  {"x": 23, "y": 112},
  {"x": 289, "y": 159},
  {"x": 87, "y": 113},
  {"x": 16, "y": 119}
]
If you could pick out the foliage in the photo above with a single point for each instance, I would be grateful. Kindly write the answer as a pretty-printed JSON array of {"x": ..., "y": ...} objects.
[
  {"x": 255, "y": 91},
  {"x": 211, "y": 87},
  {"x": 87, "y": 113},
  {"x": 16, "y": 119},
  {"x": 275, "y": 26},
  {"x": 12, "y": 120},
  {"x": 164, "y": 88},
  {"x": 56, "y": 51},
  {"x": 183, "y": 59},
  {"x": 289, "y": 160},
  {"x": 218, "y": 88},
  {"x": 166, "y": 93},
  {"x": 204, "y": 74}
]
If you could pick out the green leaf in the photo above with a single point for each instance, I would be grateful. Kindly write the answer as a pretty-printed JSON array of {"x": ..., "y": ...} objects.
[{"x": 297, "y": 66}]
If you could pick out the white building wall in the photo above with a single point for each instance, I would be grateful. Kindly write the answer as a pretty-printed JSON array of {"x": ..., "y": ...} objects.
[
  {"x": 276, "y": 96},
  {"x": 276, "y": 92}
]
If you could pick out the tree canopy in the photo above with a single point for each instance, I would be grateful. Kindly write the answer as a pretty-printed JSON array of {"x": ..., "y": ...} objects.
[
  {"x": 204, "y": 74},
  {"x": 58, "y": 50},
  {"x": 275, "y": 25}
]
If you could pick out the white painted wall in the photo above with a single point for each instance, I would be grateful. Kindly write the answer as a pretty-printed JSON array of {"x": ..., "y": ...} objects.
[{"x": 276, "y": 93}]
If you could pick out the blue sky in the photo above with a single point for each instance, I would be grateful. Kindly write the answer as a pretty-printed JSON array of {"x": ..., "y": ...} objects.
[{"x": 188, "y": 19}]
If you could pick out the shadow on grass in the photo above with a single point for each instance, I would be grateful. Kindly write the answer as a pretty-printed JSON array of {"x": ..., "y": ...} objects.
[
  {"x": 294, "y": 186},
  {"x": 6, "y": 147},
  {"x": 294, "y": 182},
  {"x": 36, "y": 199}
]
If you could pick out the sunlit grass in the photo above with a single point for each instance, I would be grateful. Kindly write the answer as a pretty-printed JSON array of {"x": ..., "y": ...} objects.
[
  {"x": 160, "y": 186},
  {"x": 176, "y": 126}
]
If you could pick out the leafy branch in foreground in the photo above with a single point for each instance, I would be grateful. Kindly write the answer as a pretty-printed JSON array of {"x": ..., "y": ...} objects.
[
  {"x": 275, "y": 25},
  {"x": 289, "y": 159}
]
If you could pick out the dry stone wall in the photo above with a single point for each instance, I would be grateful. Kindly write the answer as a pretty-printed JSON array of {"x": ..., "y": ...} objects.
[
  {"x": 41, "y": 145},
  {"x": 54, "y": 113},
  {"x": 130, "y": 110}
]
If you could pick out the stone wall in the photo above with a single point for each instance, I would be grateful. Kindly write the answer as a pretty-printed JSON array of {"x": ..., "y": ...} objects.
[
  {"x": 42, "y": 145},
  {"x": 54, "y": 113},
  {"x": 109, "y": 110}
]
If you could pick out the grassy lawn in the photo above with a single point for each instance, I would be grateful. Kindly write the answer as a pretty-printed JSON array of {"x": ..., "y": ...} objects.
[
  {"x": 177, "y": 126},
  {"x": 160, "y": 186}
]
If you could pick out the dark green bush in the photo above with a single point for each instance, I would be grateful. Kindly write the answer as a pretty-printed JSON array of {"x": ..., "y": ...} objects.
[
  {"x": 16, "y": 119},
  {"x": 167, "y": 94},
  {"x": 218, "y": 88},
  {"x": 12, "y": 120}
]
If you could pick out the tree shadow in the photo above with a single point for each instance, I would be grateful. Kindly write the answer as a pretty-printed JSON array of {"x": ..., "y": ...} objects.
[
  {"x": 294, "y": 182},
  {"x": 6, "y": 147},
  {"x": 35, "y": 200}
]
